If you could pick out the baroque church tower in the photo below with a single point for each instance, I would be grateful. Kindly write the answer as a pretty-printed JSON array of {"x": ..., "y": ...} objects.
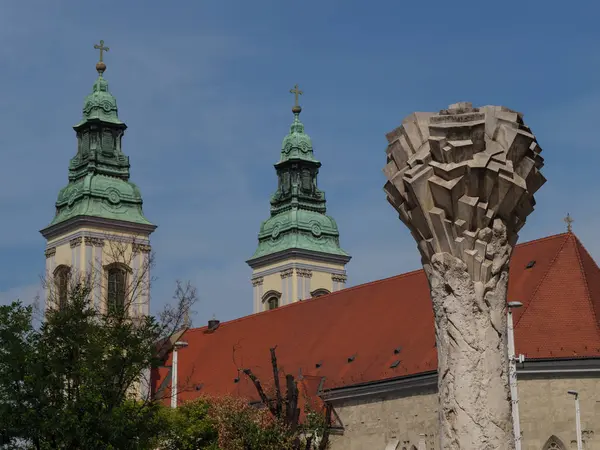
[
  {"x": 99, "y": 233},
  {"x": 299, "y": 254}
]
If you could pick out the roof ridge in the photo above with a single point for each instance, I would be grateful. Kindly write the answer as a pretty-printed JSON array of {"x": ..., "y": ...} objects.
[
  {"x": 364, "y": 285},
  {"x": 539, "y": 285},
  {"x": 583, "y": 273},
  {"x": 313, "y": 299}
]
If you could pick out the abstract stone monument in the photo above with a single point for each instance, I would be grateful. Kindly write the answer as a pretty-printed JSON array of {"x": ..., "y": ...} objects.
[{"x": 463, "y": 181}]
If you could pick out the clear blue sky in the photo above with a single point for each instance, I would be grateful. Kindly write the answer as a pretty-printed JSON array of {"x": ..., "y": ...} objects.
[{"x": 204, "y": 88}]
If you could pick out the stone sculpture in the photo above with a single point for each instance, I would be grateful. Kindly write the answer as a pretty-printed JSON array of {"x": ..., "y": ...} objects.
[{"x": 463, "y": 181}]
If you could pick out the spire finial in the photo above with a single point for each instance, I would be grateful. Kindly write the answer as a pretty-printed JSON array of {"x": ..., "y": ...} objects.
[
  {"x": 569, "y": 221},
  {"x": 297, "y": 109},
  {"x": 100, "y": 66}
]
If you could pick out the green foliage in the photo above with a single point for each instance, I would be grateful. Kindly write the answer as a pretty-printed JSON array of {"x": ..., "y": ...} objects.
[
  {"x": 189, "y": 427},
  {"x": 71, "y": 384}
]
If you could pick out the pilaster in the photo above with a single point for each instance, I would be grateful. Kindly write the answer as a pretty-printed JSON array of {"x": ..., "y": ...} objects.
[{"x": 287, "y": 285}]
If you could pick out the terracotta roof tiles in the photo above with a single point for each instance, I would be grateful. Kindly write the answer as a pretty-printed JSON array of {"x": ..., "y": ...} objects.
[{"x": 559, "y": 319}]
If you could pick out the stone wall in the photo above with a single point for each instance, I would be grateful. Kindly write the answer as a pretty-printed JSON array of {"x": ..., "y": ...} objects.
[{"x": 546, "y": 410}]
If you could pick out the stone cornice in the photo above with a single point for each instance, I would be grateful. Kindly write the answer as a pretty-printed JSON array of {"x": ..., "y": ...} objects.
[
  {"x": 286, "y": 273},
  {"x": 140, "y": 248},
  {"x": 294, "y": 265},
  {"x": 97, "y": 222},
  {"x": 546, "y": 368},
  {"x": 93, "y": 241},
  {"x": 101, "y": 236},
  {"x": 274, "y": 258},
  {"x": 75, "y": 242},
  {"x": 339, "y": 278},
  {"x": 305, "y": 273}
]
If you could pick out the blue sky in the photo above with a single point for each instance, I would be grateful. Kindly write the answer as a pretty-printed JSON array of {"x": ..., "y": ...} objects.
[{"x": 204, "y": 88}]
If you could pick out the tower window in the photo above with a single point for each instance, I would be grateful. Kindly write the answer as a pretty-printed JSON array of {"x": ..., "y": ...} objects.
[
  {"x": 117, "y": 278},
  {"x": 61, "y": 280},
  {"x": 272, "y": 303},
  {"x": 319, "y": 292}
]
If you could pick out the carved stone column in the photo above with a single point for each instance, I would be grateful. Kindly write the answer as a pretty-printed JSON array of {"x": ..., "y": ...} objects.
[{"x": 463, "y": 181}]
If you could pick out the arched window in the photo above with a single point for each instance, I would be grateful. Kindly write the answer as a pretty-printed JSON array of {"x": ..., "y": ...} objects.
[
  {"x": 272, "y": 303},
  {"x": 116, "y": 275},
  {"x": 554, "y": 443},
  {"x": 319, "y": 292},
  {"x": 271, "y": 300},
  {"x": 62, "y": 274}
]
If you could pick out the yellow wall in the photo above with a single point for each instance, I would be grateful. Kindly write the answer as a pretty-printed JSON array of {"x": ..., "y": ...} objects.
[
  {"x": 88, "y": 250},
  {"x": 294, "y": 279}
]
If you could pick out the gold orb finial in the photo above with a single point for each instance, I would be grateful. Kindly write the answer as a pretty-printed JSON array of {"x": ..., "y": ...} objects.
[{"x": 100, "y": 66}]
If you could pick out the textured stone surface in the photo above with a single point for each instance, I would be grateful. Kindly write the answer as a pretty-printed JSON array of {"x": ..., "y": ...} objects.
[
  {"x": 463, "y": 180},
  {"x": 546, "y": 410}
]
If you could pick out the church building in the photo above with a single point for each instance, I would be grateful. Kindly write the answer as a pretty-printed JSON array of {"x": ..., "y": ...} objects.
[
  {"x": 368, "y": 350},
  {"x": 99, "y": 232}
]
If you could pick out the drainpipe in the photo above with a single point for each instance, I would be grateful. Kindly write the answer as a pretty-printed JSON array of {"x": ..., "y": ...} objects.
[
  {"x": 577, "y": 420},
  {"x": 512, "y": 373},
  {"x": 174, "y": 393}
]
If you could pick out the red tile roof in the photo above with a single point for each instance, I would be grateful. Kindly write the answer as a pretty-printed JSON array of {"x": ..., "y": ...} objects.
[{"x": 559, "y": 319}]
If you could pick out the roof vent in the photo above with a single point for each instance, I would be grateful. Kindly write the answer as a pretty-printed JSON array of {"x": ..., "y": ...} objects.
[
  {"x": 395, "y": 364},
  {"x": 199, "y": 386},
  {"x": 236, "y": 379},
  {"x": 397, "y": 350},
  {"x": 530, "y": 264},
  {"x": 319, "y": 364},
  {"x": 351, "y": 358},
  {"x": 213, "y": 324}
]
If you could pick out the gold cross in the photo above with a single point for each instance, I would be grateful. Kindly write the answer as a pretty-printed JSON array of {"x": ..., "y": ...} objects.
[
  {"x": 102, "y": 49},
  {"x": 569, "y": 221},
  {"x": 296, "y": 93}
]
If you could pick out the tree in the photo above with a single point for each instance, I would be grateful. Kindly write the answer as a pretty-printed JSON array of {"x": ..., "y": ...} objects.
[{"x": 80, "y": 381}]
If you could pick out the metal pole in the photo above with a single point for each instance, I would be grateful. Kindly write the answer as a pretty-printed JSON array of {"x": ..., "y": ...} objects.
[
  {"x": 578, "y": 423},
  {"x": 174, "y": 379},
  {"x": 512, "y": 373}
]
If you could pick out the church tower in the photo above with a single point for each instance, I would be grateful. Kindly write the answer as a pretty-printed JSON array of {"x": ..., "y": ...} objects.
[
  {"x": 99, "y": 234},
  {"x": 298, "y": 254}
]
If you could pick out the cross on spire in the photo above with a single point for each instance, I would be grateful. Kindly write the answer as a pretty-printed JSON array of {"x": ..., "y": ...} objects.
[
  {"x": 568, "y": 220},
  {"x": 296, "y": 93},
  {"x": 102, "y": 49}
]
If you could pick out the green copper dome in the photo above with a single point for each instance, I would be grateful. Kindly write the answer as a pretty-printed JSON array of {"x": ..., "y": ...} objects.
[
  {"x": 99, "y": 183},
  {"x": 100, "y": 104},
  {"x": 297, "y": 144},
  {"x": 298, "y": 211}
]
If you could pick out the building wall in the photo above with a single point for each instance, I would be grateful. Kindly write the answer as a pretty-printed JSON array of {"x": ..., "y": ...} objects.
[
  {"x": 545, "y": 409},
  {"x": 88, "y": 250},
  {"x": 294, "y": 279}
]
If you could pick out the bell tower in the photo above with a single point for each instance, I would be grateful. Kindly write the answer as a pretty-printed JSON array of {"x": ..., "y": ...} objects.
[
  {"x": 99, "y": 234},
  {"x": 299, "y": 254}
]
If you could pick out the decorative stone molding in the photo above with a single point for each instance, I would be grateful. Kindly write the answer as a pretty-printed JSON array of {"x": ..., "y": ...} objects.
[
  {"x": 462, "y": 181},
  {"x": 305, "y": 273},
  {"x": 76, "y": 242},
  {"x": 450, "y": 175},
  {"x": 257, "y": 281},
  {"x": 338, "y": 278},
  {"x": 93, "y": 241},
  {"x": 50, "y": 252},
  {"x": 286, "y": 273},
  {"x": 140, "y": 248}
]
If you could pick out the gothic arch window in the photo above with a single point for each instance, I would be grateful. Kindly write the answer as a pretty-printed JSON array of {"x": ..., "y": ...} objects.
[
  {"x": 116, "y": 289},
  {"x": 271, "y": 300},
  {"x": 62, "y": 275},
  {"x": 554, "y": 443},
  {"x": 319, "y": 292}
]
